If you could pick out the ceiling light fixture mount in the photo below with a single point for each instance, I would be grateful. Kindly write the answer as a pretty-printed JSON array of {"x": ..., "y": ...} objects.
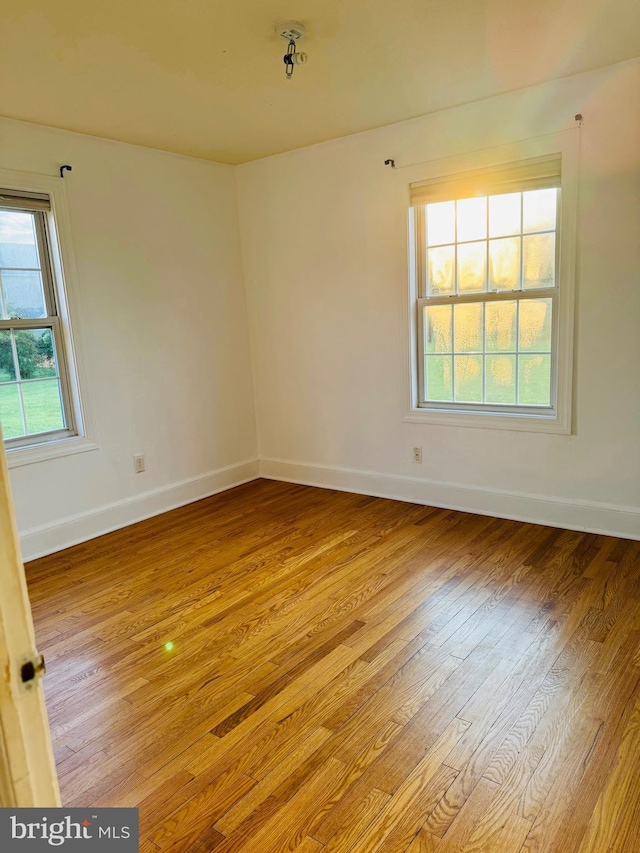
[{"x": 291, "y": 31}]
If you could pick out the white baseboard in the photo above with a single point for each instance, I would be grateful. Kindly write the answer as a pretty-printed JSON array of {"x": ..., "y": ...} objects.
[
  {"x": 557, "y": 512},
  {"x": 586, "y": 516},
  {"x": 40, "y": 541}
]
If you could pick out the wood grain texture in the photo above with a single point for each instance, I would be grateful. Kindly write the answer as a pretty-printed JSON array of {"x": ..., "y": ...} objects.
[{"x": 348, "y": 674}]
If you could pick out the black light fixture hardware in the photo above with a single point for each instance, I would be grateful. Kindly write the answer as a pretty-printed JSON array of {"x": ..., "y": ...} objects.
[
  {"x": 32, "y": 669},
  {"x": 291, "y": 31}
]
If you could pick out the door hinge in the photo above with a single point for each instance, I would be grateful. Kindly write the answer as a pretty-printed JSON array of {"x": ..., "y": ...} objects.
[{"x": 32, "y": 670}]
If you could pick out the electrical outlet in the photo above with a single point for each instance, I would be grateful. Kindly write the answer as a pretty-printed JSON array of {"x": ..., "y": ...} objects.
[
  {"x": 417, "y": 454},
  {"x": 138, "y": 463}
]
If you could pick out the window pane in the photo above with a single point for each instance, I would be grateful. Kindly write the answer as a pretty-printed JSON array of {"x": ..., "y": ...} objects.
[
  {"x": 7, "y": 364},
  {"x": 539, "y": 210},
  {"x": 441, "y": 223},
  {"x": 500, "y": 324},
  {"x": 441, "y": 264},
  {"x": 18, "y": 247},
  {"x": 23, "y": 294},
  {"x": 468, "y": 331},
  {"x": 472, "y": 267},
  {"x": 438, "y": 329},
  {"x": 36, "y": 357},
  {"x": 539, "y": 261},
  {"x": 483, "y": 348},
  {"x": 10, "y": 411},
  {"x": 504, "y": 214},
  {"x": 438, "y": 376},
  {"x": 504, "y": 264},
  {"x": 534, "y": 325},
  {"x": 500, "y": 380},
  {"x": 534, "y": 380},
  {"x": 471, "y": 214},
  {"x": 468, "y": 378},
  {"x": 42, "y": 406}
]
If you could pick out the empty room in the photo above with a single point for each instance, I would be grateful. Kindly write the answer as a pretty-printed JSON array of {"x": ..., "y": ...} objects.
[{"x": 320, "y": 411}]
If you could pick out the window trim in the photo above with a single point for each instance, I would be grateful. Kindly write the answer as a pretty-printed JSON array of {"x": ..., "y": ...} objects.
[
  {"x": 64, "y": 291},
  {"x": 561, "y": 420},
  {"x": 50, "y": 321}
]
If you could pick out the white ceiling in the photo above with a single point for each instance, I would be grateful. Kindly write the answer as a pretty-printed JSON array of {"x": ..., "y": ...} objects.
[{"x": 205, "y": 78}]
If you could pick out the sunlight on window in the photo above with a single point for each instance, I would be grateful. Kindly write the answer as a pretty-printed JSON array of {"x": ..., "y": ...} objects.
[
  {"x": 505, "y": 214},
  {"x": 472, "y": 267},
  {"x": 471, "y": 219},
  {"x": 539, "y": 260},
  {"x": 441, "y": 223},
  {"x": 468, "y": 378},
  {"x": 500, "y": 326},
  {"x": 539, "y": 210},
  {"x": 441, "y": 270},
  {"x": 438, "y": 324},
  {"x": 535, "y": 325},
  {"x": 501, "y": 379},
  {"x": 504, "y": 263},
  {"x": 467, "y": 324},
  {"x": 490, "y": 350}
]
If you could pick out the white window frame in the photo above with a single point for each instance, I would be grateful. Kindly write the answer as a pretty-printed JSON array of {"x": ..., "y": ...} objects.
[
  {"x": 79, "y": 438},
  {"x": 557, "y": 418}
]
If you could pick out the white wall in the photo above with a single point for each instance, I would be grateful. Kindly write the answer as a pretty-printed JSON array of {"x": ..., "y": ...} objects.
[
  {"x": 160, "y": 321},
  {"x": 163, "y": 341},
  {"x": 324, "y": 245}
]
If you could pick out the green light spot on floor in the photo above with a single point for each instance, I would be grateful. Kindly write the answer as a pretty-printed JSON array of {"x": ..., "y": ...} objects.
[{"x": 168, "y": 647}]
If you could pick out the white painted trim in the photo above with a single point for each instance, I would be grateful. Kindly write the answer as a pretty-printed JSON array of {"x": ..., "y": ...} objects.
[
  {"x": 587, "y": 516},
  {"x": 40, "y": 541},
  {"x": 486, "y": 420},
  {"x": 48, "y": 450},
  {"x": 68, "y": 299},
  {"x": 27, "y": 767}
]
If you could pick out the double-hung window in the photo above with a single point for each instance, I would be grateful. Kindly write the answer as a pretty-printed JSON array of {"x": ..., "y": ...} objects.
[
  {"x": 36, "y": 403},
  {"x": 487, "y": 284}
]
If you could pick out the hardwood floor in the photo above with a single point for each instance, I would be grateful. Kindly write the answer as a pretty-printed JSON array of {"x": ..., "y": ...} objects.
[{"x": 347, "y": 674}]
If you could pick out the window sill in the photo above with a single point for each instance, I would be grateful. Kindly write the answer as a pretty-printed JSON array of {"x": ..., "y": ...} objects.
[
  {"x": 48, "y": 450},
  {"x": 489, "y": 420}
]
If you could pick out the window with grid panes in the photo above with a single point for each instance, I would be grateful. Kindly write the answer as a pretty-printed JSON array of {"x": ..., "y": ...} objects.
[
  {"x": 35, "y": 403},
  {"x": 487, "y": 281}
]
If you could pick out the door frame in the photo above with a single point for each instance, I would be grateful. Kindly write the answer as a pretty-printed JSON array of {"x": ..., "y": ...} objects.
[{"x": 27, "y": 767}]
